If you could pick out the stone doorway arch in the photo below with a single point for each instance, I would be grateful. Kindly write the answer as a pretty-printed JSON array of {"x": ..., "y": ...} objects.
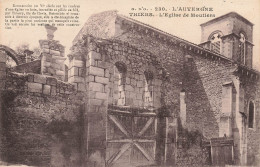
[{"x": 10, "y": 52}]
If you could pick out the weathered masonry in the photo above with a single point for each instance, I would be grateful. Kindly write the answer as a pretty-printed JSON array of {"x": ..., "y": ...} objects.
[{"x": 133, "y": 95}]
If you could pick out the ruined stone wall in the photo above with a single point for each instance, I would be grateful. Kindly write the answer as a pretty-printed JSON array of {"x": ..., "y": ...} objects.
[
  {"x": 169, "y": 55},
  {"x": 41, "y": 117},
  {"x": 113, "y": 73},
  {"x": 171, "y": 64},
  {"x": 137, "y": 62},
  {"x": 42, "y": 121},
  {"x": 52, "y": 58},
  {"x": 31, "y": 67}
]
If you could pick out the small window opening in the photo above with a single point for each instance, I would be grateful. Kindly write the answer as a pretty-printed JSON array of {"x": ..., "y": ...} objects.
[
  {"x": 148, "y": 94},
  {"x": 242, "y": 49},
  {"x": 251, "y": 115},
  {"x": 215, "y": 43},
  {"x": 119, "y": 84}
]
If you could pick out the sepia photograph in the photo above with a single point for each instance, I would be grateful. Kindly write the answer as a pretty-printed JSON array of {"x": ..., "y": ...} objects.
[{"x": 128, "y": 83}]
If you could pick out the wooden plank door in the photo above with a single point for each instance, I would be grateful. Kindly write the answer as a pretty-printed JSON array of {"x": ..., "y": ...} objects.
[
  {"x": 222, "y": 152},
  {"x": 130, "y": 139}
]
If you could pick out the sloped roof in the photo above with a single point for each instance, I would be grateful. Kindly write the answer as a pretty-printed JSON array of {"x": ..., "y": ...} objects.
[
  {"x": 231, "y": 14},
  {"x": 100, "y": 25}
]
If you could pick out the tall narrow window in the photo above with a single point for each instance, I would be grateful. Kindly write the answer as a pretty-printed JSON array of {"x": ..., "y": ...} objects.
[
  {"x": 251, "y": 115},
  {"x": 215, "y": 45},
  {"x": 183, "y": 107},
  {"x": 119, "y": 84},
  {"x": 121, "y": 67},
  {"x": 242, "y": 48},
  {"x": 148, "y": 92},
  {"x": 66, "y": 73}
]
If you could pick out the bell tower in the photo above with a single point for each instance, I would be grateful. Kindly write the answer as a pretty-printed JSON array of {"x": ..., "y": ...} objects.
[{"x": 230, "y": 35}]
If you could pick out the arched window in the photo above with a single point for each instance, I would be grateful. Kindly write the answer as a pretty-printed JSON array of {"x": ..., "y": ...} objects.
[
  {"x": 216, "y": 42},
  {"x": 121, "y": 67},
  {"x": 148, "y": 91},
  {"x": 119, "y": 83},
  {"x": 183, "y": 107},
  {"x": 242, "y": 48},
  {"x": 10, "y": 62},
  {"x": 251, "y": 115},
  {"x": 66, "y": 73},
  {"x": 12, "y": 58}
]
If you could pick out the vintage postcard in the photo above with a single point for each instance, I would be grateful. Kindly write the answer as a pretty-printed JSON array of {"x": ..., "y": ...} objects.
[{"x": 128, "y": 83}]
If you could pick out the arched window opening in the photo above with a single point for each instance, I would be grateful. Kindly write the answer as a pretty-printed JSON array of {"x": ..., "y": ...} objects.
[
  {"x": 12, "y": 58},
  {"x": 121, "y": 68},
  {"x": 242, "y": 48},
  {"x": 119, "y": 84},
  {"x": 66, "y": 73},
  {"x": 183, "y": 107},
  {"x": 251, "y": 115},
  {"x": 10, "y": 62},
  {"x": 216, "y": 43},
  {"x": 148, "y": 91}
]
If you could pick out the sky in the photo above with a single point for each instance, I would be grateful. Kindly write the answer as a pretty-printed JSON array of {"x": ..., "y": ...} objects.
[{"x": 186, "y": 28}]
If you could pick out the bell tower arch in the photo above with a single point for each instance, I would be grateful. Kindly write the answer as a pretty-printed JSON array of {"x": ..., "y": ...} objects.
[{"x": 229, "y": 35}]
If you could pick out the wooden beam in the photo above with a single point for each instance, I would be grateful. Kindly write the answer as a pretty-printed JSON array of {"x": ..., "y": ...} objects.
[
  {"x": 119, "y": 141},
  {"x": 147, "y": 114},
  {"x": 147, "y": 156},
  {"x": 130, "y": 140},
  {"x": 111, "y": 111},
  {"x": 118, "y": 124},
  {"x": 147, "y": 125},
  {"x": 144, "y": 140},
  {"x": 117, "y": 155}
]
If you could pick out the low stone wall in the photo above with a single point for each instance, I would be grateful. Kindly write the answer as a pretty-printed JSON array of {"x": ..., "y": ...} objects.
[
  {"x": 42, "y": 121},
  {"x": 31, "y": 67},
  {"x": 190, "y": 149}
]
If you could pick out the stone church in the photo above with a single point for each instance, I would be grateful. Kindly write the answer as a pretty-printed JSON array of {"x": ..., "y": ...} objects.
[{"x": 133, "y": 95}]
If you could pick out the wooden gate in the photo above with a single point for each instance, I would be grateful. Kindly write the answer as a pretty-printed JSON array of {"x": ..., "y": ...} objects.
[
  {"x": 221, "y": 151},
  {"x": 130, "y": 137}
]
